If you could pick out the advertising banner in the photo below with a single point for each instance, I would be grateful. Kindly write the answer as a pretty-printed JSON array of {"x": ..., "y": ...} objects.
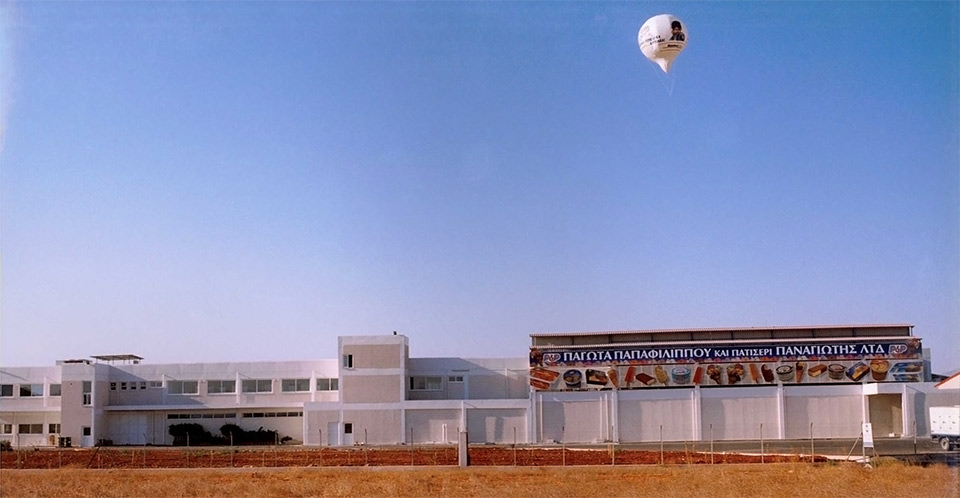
[{"x": 629, "y": 367}]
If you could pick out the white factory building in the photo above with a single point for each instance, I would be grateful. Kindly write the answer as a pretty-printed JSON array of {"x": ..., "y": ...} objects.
[{"x": 626, "y": 386}]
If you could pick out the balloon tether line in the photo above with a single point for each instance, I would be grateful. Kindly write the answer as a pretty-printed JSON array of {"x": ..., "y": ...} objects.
[{"x": 666, "y": 80}]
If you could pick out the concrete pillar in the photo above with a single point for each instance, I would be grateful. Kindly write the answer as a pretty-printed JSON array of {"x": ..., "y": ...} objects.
[{"x": 462, "y": 447}]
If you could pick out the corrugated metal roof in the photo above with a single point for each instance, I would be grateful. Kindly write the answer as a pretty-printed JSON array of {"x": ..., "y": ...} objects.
[
  {"x": 722, "y": 329},
  {"x": 117, "y": 357}
]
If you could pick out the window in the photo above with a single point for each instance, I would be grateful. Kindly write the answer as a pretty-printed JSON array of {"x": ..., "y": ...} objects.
[
  {"x": 156, "y": 384},
  {"x": 6, "y": 429},
  {"x": 54, "y": 429},
  {"x": 30, "y": 429},
  {"x": 257, "y": 386},
  {"x": 183, "y": 387},
  {"x": 221, "y": 386},
  {"x": 457, "y": 379},
  {"x": 55, "y": 389},
  {"x": 87, "y": 393},
  {"x": 327, "y": 384},
  {"x": 347, "y": 428},
  {"x": 6, "y": 390},
  {"x": 123, "y": 386},
  {"x": 85, "y": 431},
  {"x": 143, "y": 384},
  {"x": 295, "y": 385},
  {"x": 28, "y": 390},
  {"x": 113, "y": 386},
  {"x": 348, "y": 361},
  {"x": 425, "y": 383}
]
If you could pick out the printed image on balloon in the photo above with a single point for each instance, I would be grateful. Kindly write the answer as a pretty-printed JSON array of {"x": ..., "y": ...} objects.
[{"x": 661, "y": 39}]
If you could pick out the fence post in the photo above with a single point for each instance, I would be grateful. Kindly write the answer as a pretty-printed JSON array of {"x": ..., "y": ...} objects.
[
  {"x": 812, "y": 458},
  {"x": 661, "y": 444},
  {"x": 613, "y": 457},
  {"x": 914, "y": 436},
  {"x": 761, "y": 442},
  {"x": 563, "y": 445}
]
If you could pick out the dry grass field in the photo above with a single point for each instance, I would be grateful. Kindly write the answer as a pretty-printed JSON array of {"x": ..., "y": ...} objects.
[
  {"x": 729, "y": 480},
  {"x": 431, "y": 456}
]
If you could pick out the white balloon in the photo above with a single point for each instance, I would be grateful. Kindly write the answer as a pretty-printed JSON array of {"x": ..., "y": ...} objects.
[{"x": 661, "y": 39}]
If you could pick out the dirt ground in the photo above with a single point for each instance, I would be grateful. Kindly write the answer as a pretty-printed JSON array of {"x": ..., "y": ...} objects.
[{"x": 268, "y": 456}]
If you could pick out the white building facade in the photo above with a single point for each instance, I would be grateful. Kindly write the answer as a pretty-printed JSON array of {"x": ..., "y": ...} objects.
[{"x": 374, "y": 393}]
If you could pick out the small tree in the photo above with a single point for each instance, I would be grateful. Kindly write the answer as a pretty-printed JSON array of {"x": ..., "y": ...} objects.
[
  {"x": 232, "y": 433},
  {"x": 241, "y": 436},
  {"x": 190, "y": 434}
]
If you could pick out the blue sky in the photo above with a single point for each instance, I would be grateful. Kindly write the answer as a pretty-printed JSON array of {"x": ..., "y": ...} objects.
[{"x": 227, "y": 181}]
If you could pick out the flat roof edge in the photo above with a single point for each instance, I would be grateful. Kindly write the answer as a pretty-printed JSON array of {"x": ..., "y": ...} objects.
[{"x": 723, "y": 329}]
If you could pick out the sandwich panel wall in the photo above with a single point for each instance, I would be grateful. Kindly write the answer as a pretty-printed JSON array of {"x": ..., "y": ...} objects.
[
  {"x": 375, "y": 427},
  {"x": 429, "y": 425},
  {"x": 573, "y": 420},
  {"x": 497, "y": 425},
  {"x": 735, "y": 417},
  {"x": 643, "y": 420}
]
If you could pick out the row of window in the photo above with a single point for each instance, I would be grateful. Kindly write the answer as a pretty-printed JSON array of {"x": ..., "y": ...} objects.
[
  {"x": 272, "y": 414},
  {"x": 179, "y": 387},
  {"x": 173, "y": 416},
  {"x": 133, "y": 385},
  {"x": 432, "y": 382},
  {"x": 176, "y": 416},
  {"x": 192, "y": 387},
  {"x": 251, "y": 386},
  {"x": 30, "y": 429},
  {"x": 28, "y": 390}
]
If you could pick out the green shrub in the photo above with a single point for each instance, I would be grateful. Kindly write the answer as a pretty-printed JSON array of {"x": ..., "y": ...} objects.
[
  {"x": 193, "y": 435},
  {"x": 196, "y": 435},
  {"x": 241, "y": 436}
]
